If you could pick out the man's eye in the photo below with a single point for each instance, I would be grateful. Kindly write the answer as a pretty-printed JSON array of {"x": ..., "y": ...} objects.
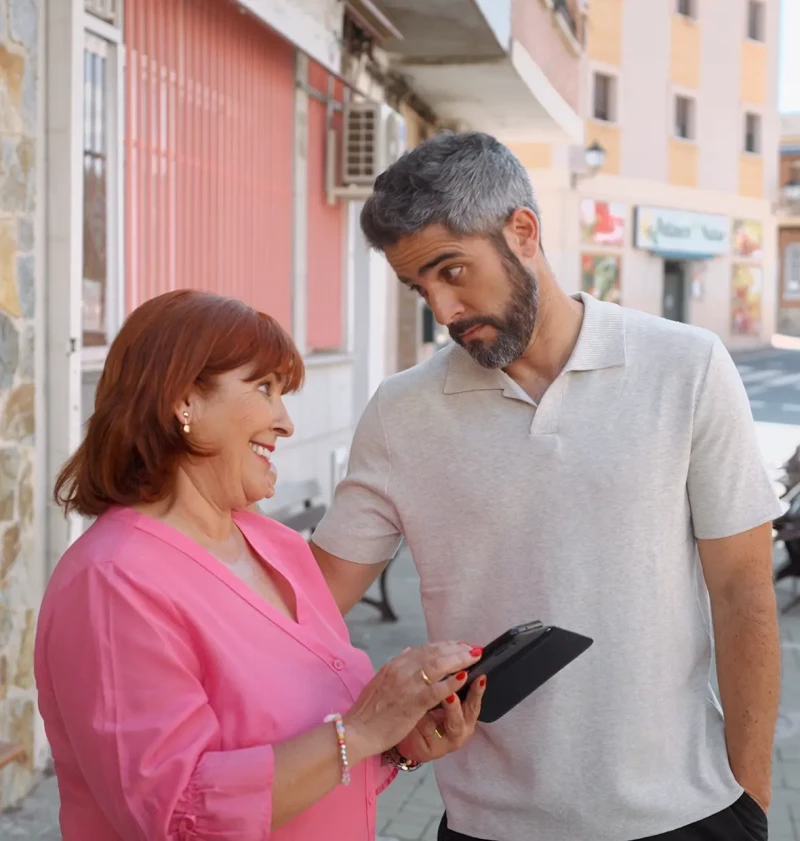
[{"x": 453, "y": 272}]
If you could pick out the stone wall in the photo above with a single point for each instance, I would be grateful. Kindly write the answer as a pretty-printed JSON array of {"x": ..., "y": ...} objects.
[{"x": 19, "y": 154}]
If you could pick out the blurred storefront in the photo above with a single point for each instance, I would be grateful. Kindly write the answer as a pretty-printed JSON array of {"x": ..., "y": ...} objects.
[
  {"x": 669, "y": 204},
  {"x": 789, "y": 227}
]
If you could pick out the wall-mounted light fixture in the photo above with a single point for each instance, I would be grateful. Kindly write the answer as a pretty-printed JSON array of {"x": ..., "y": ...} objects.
[{"x": 594, "y": 157}]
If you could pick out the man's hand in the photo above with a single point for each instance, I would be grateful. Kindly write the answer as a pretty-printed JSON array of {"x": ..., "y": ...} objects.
[
  {"x": 738, "y": 574},
  {"x": 347, "y": 581}
]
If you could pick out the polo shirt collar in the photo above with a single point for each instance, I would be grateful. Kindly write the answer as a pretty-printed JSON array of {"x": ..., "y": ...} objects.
[{"x": 601, "y": 344}]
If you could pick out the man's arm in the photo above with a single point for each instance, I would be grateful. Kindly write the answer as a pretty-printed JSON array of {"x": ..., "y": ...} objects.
[
  {"x": 347, "y": 581},
  {"x": 733, "y": 503},
  {"x": 738, "y": 574},
  {"x": 361, "y": 529}
]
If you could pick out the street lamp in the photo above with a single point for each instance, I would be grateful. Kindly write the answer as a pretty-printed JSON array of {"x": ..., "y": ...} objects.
[{"x": 594, "y": 157}]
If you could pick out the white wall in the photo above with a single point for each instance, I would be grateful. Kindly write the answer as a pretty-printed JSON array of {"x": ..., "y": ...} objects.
[
  {"x": 315, "y": 26},
  {"x": 323, "y": 417},
  {"x": 643, "y": 86},
  {"x": 720, "y": 118}
]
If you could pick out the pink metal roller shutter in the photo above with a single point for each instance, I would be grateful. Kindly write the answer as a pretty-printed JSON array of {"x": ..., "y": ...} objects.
[
  {"x": 209, "y": 147},
  {"x": 326, "y": 224}
]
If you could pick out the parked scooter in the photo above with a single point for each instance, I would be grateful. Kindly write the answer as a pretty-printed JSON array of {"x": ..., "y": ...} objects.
[
  {"x": 790, "y": 479},
  {"x": 787, "y": 530}
]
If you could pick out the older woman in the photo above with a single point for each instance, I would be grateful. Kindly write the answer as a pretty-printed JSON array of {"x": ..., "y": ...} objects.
[{"x": 195, "y": 676}]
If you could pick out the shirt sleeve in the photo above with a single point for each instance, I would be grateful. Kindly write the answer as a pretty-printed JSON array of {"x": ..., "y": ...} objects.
[
  {"x": 362, "y": 525},
  {"x": 728, "y": 485},
  {"x": 127, "y": 683}
]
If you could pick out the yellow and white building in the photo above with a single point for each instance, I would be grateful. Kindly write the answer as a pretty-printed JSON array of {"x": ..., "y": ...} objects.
[{"x": 680, "y": 219}]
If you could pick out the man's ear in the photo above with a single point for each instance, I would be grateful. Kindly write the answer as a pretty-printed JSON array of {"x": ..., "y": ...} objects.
[{"x": 524, "y": 229}]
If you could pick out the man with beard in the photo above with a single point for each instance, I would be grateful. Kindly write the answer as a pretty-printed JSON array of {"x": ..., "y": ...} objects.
[{"x": 584, "y": 464}]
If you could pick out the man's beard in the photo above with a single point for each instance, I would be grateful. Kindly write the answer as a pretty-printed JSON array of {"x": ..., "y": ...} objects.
[{"x": 515, "y": 327}]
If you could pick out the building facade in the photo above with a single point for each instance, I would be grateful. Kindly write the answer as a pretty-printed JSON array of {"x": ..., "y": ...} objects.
[
  {"x": 522, "y": 75},
  {"x": 225, "y": 146},
  {"x": 680, "y": 219},
  {"x": 789, "y": 227}
]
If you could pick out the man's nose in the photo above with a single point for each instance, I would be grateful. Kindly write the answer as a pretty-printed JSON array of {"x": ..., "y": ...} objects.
[{"x": 445, "y": 306}]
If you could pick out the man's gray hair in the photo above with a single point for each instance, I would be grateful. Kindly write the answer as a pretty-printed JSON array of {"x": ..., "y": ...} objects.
[{"x": 468, "y": 182}]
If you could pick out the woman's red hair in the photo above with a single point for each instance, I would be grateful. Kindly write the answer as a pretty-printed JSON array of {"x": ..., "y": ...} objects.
[{"x": 169, "y": 345}]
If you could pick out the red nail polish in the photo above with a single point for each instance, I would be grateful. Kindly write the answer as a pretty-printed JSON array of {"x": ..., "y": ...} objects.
[
  {"x": 450, "y": 699},
  {"x": 482, "y": 682},
  {"x": 476, "y": 651},
  {"x": 461, "y": 676}
]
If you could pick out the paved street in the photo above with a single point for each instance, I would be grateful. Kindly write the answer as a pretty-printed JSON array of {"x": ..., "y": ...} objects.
[
  {"x": 772, "y": 380},
  {"x": 411, "y": 808}
]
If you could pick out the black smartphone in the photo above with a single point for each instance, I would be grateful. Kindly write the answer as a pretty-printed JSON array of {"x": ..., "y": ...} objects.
[{"x": 518, "y": 662}]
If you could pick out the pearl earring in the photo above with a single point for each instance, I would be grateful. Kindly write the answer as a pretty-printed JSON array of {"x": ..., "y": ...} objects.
[{"x": 186, "y": 422}]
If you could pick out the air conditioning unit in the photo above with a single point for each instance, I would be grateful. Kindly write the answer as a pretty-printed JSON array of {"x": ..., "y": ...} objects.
[
  {"x": 374, "y": 138},
  {"x": 107, "y": 10}
]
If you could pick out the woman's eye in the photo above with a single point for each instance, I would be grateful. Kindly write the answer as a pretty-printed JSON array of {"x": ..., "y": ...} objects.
[
  {"x": 453, "y": 272},
  {"x": 265, "y": 388}
]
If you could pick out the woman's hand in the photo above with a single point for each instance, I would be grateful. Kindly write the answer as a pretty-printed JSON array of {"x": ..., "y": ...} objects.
[
  {"x": 402, "y": 693},
  {"x": 445, "y": 729}
]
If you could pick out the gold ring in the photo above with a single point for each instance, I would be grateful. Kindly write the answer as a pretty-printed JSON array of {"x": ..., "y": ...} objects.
[
  {"x": 425, "y": 677},
  {"x": 437, "y": 733}
]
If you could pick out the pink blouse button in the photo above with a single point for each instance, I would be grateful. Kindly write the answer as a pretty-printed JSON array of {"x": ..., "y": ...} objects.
[
  {"x": 187, "y": 826},
  {"x": 338, "y": 665}
]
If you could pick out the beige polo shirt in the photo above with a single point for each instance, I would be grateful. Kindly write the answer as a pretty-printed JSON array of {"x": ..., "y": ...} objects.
[{"x": 582, "y": 512}]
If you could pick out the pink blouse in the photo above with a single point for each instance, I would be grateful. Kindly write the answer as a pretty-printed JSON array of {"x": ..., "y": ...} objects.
[{"x": 164, "y": 681}]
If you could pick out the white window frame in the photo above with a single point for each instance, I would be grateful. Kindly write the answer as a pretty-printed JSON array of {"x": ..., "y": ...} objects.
[
  {"x": 759, "y": 134},
  {"x": 760, "y": 37},
  {"x": 691, "y": 135},
  {"x": 613, "y": 95},
  {"x": 791, "y": 272},
  {"x": 100, "y": 35}
]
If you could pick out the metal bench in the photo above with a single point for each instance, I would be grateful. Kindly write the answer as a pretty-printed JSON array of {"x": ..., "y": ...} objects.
[
  {"x": 296, "y": 505},
  {"x": 382, "y": 604}
]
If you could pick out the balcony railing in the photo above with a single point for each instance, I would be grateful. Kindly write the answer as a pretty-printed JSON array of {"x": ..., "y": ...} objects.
[{"x": 570, "y": 13}]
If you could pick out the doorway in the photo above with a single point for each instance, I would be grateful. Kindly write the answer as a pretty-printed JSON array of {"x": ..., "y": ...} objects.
[{"x": 674, "y": 299}]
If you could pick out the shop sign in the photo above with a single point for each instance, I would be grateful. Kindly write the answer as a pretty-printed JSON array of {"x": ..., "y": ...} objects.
[{"x": 682, "y": 233}]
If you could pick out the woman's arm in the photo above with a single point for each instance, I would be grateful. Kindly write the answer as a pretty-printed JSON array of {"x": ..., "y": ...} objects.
[{"x": 127, "y": 683}]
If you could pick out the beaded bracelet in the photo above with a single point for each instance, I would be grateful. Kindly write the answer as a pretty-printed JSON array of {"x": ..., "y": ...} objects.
[{"x": 340, "y": 738}]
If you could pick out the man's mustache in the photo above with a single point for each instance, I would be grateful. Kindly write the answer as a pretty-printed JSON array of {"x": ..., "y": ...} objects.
[{"x": 458, "y": 329}]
